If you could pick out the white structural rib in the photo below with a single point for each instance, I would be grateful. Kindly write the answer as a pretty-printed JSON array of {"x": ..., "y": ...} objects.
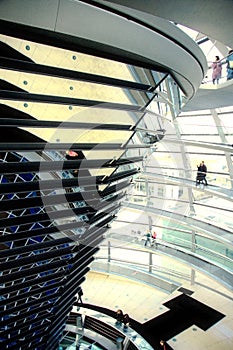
[{"x": 202, "y": 144}]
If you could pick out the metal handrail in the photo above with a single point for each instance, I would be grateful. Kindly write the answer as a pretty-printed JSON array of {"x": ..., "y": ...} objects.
[{"x": 154, "y": 266}]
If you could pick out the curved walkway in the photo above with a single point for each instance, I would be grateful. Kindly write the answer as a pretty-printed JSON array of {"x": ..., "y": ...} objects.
[
  {"x": 204, "y": 227},
  {"x": 211, "y": 97},
  {"x": 217, "y": 191}
]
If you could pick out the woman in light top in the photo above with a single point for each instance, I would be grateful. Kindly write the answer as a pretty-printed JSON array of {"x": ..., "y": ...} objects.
[{"x": 217, "y": 70}]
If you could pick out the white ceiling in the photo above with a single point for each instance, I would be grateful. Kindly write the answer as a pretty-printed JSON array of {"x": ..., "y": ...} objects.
[{"x": 211, "y": 17}]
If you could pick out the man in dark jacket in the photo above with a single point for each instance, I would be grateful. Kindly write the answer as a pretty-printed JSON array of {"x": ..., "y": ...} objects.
[
  {"x": 203, "y": 170},
  {"x": 199, "y": 177}
]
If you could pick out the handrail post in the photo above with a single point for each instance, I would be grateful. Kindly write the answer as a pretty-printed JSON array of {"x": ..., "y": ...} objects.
[
  {"x": 193, "y": 249},
  {"x": 109, "y": 251},
  {"x": 150, "y": 261}
]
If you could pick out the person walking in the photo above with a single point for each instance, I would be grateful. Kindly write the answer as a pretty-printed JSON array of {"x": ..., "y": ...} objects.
[
  {"x": 147, "y": 237},
  {"x": 154, "y": 239},
  {"x": 203, "y": 170},
  {"x": 119, "y": 316},
  {"x": 199, "y": 177},
  {"x": 217, "y": 70},
  {"x": 126, "y": 321},
  {"x": 201, "y": 174},
  {"x": 80, "y": 294},
  {"x": 229, "y": 61}
]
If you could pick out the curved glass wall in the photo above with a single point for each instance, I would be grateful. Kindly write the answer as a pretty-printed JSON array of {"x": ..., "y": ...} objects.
[{"x": 165, "y": 194}]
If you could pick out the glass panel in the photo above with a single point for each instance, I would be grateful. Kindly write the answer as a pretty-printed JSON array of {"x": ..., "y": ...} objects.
[
  {"x": 40, "y": 84},
  {"x": 206, "y": 209},
  {"x": 197, "y": 124},
  {"x": 226, "y": 122},
  {"x": 203, "y": 138},
  {"x": 53, "y": 56}
]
